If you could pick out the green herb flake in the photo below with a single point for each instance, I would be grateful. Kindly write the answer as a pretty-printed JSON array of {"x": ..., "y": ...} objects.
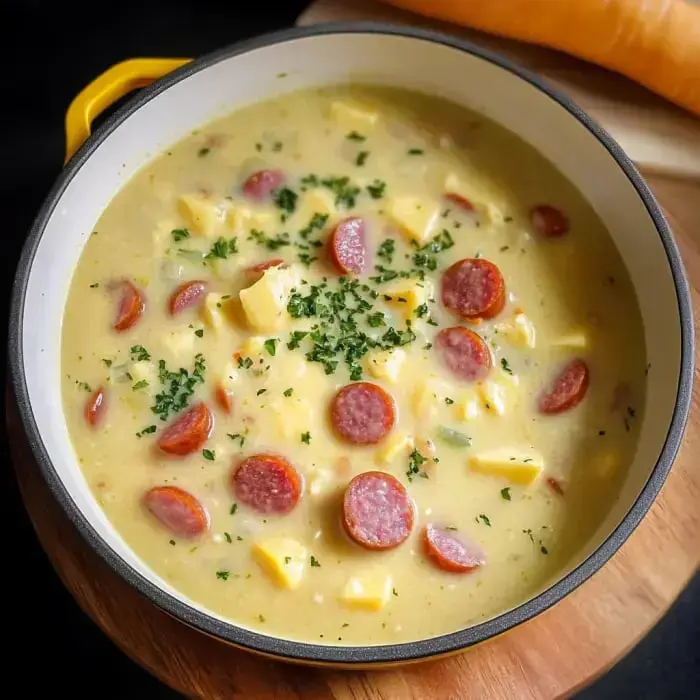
[
  {"x": 286, "y": 200},
  {"x": 361, "y": 158},
  {"x": 107, "y": 362},
  {"x": 260, "y": 392},
  {"x": 449, "y": 401},
  {"x": 314, "y": 562},
  {"x": 178, "y": 387},
  {"x": 543, "y": 549},
  {"x": 505, "y": 493},
  {"x": 94, "y": 285},
  {"x": 261, "y": 618},
  {"x": 355, "y": 136},
  {"x": 287, "y": 560},
  {"x": 376, "y": 319},
  {"x": 237, "y": 436},
  {"x": 415, "y": 151},
  {"x": 199, "y": 332},
  {"x": 395, "y": 592},
  {"x": 139, "y": 354},
  {"x": 146, "y": 431},
  {"x": 179, "y": 234},
  {"x": 306, "y": 438},
  {"x": 142, "y": 384},
  {"x": 209, "y": 454},
  {"x": 172, "y": 542},
  {"x": 222, "y": 248},
  {"x": 271, "y": 346},
  {"x": 288, "y": 392},
  {"x": 415, "y": 462},
  {"x": 203, "y": 152},
  {"x": 484, "y": 519},
  {"x": 386, "y": 249},
  {"x": 376, "y": 189},
  {"x": 233, "y": 509},
  {"x": 245, "y": 362},
  {"x": 505, "y": 366},
  {"x": 223, "y": 575}
]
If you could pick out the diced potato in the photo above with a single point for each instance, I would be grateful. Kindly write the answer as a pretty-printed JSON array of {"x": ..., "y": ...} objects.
[
  {"x": 416, "y": 218},
  {"x": 407, "y": 296},
  {"x": 353, "y": 116},
  {"x": 315, "y": 201},
  {"x": 606, "y": 463},
  {"x": 394, "y": 446},
  {"x": 180, "y": 345},
  {"x": 493, "y": 397},
  {"x": 517, "y": 465},
  {"x": 253, "y": 346},
  {"x": 214, "y": 310},
  {"x": 427, "y": 396},
  {"x": 520, "y": 332},
  {"x": 143, "y": 371},
  {"x": 320, "y": 483},
  {"x": 293, "y": 416},
  {"x": 202, "y": 214},
  {"x": 139, "y": 395},
  {"x": 574, "y": 340},
  {"x": 241, "y": 218},
  {"x": 162, "y": 237},
  {"x": 229, "y": 376},
  {"x": 467, "y": 406},
  {"x": 386, "y": 364},
  {"x": 370, "y": 590},
  {"x": 283, "y": 559},
  {"x": 493, "y": 214},
  {"x": 265, "y": 302}
]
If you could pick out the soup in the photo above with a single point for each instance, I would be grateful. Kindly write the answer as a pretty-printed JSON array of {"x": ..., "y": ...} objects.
[{"x": 353, "y": 366}]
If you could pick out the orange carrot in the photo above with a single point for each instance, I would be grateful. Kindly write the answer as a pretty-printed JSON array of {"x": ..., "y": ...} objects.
[{"x": 654, "y": 42}]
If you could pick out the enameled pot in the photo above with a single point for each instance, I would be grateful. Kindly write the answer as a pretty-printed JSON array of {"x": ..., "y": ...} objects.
[{"x": 197, "y": 92}]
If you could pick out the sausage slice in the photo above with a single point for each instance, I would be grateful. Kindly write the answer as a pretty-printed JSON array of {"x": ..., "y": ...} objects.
[
  {"x": 567, "y": 390},
  {"x": 464, "y": 353},
  {"x": 187, "y": 433},
  {"x": 267, "y": 483},
  {"x": 362, "y": 413},
  {"x": 177, "y": 510},
  {"x": 473, "y": 288},
  {"x": 450, "y": 553}
]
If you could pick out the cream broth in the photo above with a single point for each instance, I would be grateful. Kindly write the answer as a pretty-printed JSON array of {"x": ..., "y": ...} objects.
[{"x": 483, "y": 456}]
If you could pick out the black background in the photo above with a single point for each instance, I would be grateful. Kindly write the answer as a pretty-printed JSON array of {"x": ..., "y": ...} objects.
[{"x": 51, "y": 50}]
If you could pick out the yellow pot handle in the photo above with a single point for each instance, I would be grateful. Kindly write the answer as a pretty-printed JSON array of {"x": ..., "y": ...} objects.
[{"x": 106, "y": 89}]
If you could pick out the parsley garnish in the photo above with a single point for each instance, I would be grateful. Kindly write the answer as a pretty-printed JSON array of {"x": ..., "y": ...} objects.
[
  {"x": 179, "y": 234},
  {"x": 94, "y": 285},
  {"x": 421, "y": 310},
  {"x": 485, "y": 519},
  {"x": 222, "y": 248},
  {"x": 395, "y": 592},
  {"x": 245, "y": 362},
  {"x": 271, "y": 346},
  {"x": 199, "y": 332},
  {"x": 386, "y": 250},
  {"x": 376, "y": 189},
  {"x": 415, "y": 151},
  {"x": 415, "y": 462},
  {"x": 288, "y": 392},
  {"x": 279, "y": 241},
  {"x": 228, "y": 537},
  {"x": 209, "y": 454},
  {"x": 178, "y": 387},
  {"x": 314, "y": 562},
  {"x": 505, "y": 493},
  {"x": 146, "y": 431},
  {"x": 233, "y": 509},
  {"x": 505, "y": 366},
  {"x": 306, "y": 438},
  {"x": 295, "y": 338},
  {"x": 355, "y": 136},
  {"x": 260, "y": 392},
  {"x": 237, "y": 436},
  {"x": 449, "y": 401},
  {"x": 203, "y": 152},
  {"x": 376, "y": 319},
  {"x": 139, "y": 354},
  {"x": 108, "y": 363},
  {"x": 361, "y": 158},
  {"x": 142, "y": 384},
  {"x": 286, "y": 200},
  {"x": 223, "y": 574}
]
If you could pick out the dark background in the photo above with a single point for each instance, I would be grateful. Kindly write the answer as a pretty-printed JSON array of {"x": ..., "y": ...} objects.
[{"x": 51, "y": 50}]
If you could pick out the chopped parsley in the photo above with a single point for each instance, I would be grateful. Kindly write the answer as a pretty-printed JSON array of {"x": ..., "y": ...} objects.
[
  {"x": 233, "y": 509},
  {"x": 228, "y": 537},
  {"x": 199, "y": 332},
  {"x": 271, "y": 346},
  {"x": 306, "y": 438},
  {"x": 361, "y": 158},
  {"x": 505, "y": 366},
  {"x": 245, "y": 362},
  {"x": 287, "y": 560},
  {"x": 386, "y": 249},
  {"x": 142, "y": 384},
  {"x": 178, "y": 387},
  {"x": 376, "y": 189},
  {"x": 421, "y": 310},
  {"x": 345, "y": 191},
  {"x": 395, "y": 592},
  {"x": 376, "y": 319},
  {"x": 94, "y": 285},
  {"x": 484, "y": 519},
  {"x": 415, "y": 151},
  {"x": 355, "y": 136},
  {"x": 314, "y": 562},
  {"x": 237, "y": 436},
  {"x": 179, "y": 234},
  {"x": 84, "y": 385},
  {"x": 279, "y": 241},
  {"x": 505, "y": 493},
  {"x": 415, "y": 461},
  {"x": 286, "y": 200},
  {"x": 172, "y": 542},
  {"x": 295, "y": 338},
  {"x": 209, "y": 454},
  {"x": 222, "y": 248},
  {"x": 543, "y": 549},
  {"x": 260, "y": 392},
  {"x": 203, "y": 152},
  {"x": 146, "y": 431},
  {"x": 288, "y": 392},
  {"x": 138, "y": 354},
  {"x": 449, "y": 401},
  {"x": 261, "y": 618},
  {"x": 223, "y": 575},
  {"x": 108, "y": 363}
]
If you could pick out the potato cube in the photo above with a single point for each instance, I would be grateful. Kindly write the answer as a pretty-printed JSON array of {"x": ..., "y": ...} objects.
[
  {"x": 202, "y": 214},
  {"x": 394, "y": 446},
  {"x": 353, "y": 116},
  {"x": 283, "y": 559},
  {"x": 576, "y": 339},
  {"x": 416, "y": 218},
  {"x": 265, "y": 302},
  {"x": 386, "y": 364},
  {"x": 493, "y": 397},
  {"x": 517, "y": 465},
  {"x": 370, "y": 590},
  {"x": 179, "y": 344}
]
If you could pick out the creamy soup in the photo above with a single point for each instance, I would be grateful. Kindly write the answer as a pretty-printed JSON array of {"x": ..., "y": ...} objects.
[{"x": 353, "y": 366}]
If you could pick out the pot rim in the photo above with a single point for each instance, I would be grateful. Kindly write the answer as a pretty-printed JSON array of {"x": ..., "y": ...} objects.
[{"x": 352, "y": 655}]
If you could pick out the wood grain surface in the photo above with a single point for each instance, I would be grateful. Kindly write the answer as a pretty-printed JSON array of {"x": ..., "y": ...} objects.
[{"x": 549, "y": 657}]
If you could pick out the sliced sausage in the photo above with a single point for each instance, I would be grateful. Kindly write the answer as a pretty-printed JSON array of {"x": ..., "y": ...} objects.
[
  {"x": 450, "y": 553},
  {"x": 255, "y": 272},
  {"x": 464, "y": 352},
  {"x": 186, "y": 295},
  {"x": 187, "y": 433},
  {"x": 95, "y": 407},
  {"x": 549, "y": 221},
  {"x": 473, "y": 288},
  {"x": 362, "y": 413},
  {"x": 177, "y": 510},
  {"x": 347, "y": 246},
  {"x": 224, "y": 398},
  {"x": 567, "y": 390},
  {"x": 377, "y": 512},
  {"x": 131, "y": 307},
  {"x": 267, "y": 483},
  {"x": 259, "y": 186},
  {"x": 460, "y": 201}
]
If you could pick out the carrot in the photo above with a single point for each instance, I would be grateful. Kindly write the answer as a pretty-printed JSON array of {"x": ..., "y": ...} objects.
[{"x": 654, "y": 42}]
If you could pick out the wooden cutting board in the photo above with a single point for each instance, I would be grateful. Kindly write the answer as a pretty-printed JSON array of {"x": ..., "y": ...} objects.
[{"x": 549, "y": 657}]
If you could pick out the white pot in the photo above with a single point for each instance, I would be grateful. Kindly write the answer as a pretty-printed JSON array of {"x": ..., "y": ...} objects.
[{"x": 368, "y": 53}]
